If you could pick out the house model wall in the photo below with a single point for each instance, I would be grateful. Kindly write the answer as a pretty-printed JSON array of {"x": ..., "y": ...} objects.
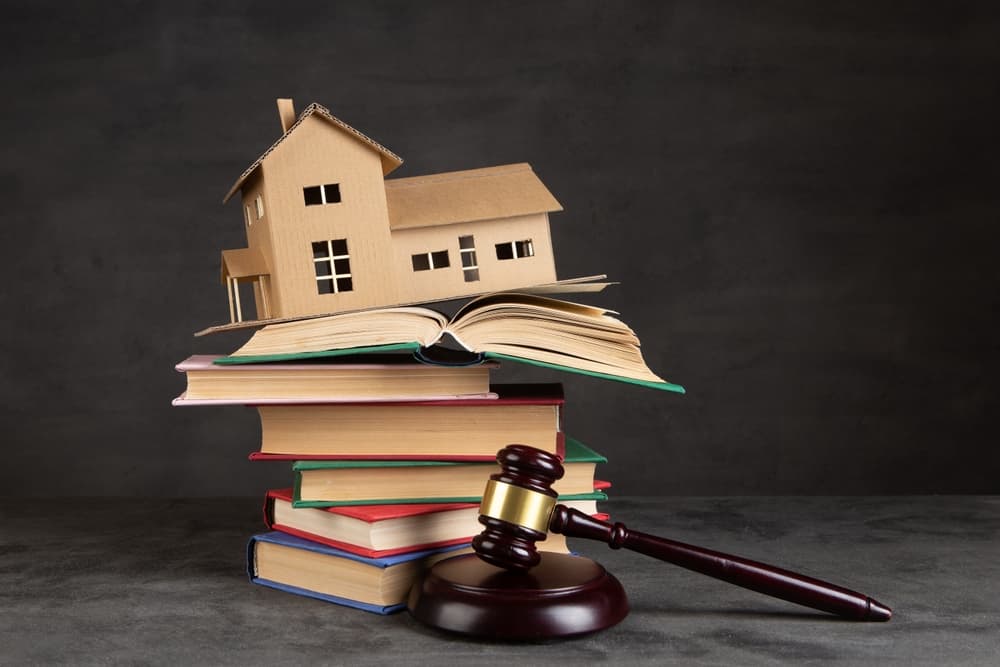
[{"x": 327, "y": 232}]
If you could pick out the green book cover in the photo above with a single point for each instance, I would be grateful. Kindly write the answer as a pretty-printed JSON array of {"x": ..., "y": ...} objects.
[
  {"x": 662, "y": 386},
  {"x": 298, "y": 356},
  {"x": 575, "y": 452},
  {"x": 414, "y": 348},
  {"x": 595, "y": 495}
]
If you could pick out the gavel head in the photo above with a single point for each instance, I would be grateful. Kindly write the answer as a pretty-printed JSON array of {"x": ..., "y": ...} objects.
[{"x": 517, "y": 506}]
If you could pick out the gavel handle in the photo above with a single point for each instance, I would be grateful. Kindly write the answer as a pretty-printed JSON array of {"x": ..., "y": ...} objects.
[{"x": 759, "y": 577}]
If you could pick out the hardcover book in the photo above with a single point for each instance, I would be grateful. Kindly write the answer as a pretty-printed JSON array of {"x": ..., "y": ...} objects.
[
  {"x": 392, "y": 378},
  {"x": 379, "y": 585},
  {"x": 367, "y": 482},
  {"x": 388, "y": 530},
  {"x": 520, "y": 327},
  {"x": 529, "y": 414}
]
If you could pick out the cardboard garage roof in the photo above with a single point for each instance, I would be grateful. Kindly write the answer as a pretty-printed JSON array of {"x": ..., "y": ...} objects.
[
  {"x": 467, "y": 196},
  {"x": 389, "y": 159}
]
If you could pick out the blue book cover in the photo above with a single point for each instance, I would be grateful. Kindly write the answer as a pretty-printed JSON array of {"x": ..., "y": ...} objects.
[{"x": 286, "y": 540}]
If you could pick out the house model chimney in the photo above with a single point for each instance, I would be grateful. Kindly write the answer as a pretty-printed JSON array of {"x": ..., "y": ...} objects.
[{"x": 286, "y": 112}]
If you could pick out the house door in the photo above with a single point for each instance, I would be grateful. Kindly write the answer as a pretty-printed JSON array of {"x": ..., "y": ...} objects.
[{"x": 239, "y": 290}]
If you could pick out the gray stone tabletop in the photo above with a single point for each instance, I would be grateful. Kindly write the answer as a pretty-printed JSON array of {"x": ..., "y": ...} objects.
[{"x": 111, "y": 581}]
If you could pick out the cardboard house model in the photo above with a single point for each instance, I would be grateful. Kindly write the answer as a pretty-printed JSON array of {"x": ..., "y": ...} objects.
[{"x": 327, "y": 232}]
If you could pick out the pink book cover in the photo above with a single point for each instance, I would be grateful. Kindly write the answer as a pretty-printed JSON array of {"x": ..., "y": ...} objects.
[
  {"x": 505, "y": 394},
  {"x": 204, "y": 362},
  {"x": 183, "y": 400}
]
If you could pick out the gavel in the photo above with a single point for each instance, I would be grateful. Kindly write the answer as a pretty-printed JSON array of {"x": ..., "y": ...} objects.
[{"x": 519, "y": 507}]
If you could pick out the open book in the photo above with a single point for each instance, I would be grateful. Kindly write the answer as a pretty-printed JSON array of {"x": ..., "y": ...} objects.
[{"x": 521, "y": 327}]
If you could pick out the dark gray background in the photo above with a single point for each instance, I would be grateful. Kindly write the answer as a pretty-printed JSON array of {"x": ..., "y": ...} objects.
[{"x": 800, "y": 203}]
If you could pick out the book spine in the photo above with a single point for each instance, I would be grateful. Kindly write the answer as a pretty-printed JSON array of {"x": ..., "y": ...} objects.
[{"x": 268, "y": 511}]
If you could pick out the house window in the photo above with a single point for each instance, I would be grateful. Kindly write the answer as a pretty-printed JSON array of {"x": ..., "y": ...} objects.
[
  {"x": 467, "y": 250},
  {"x": 246, "y": 209},
  {"x": 260, "y": 207},
  {"x": 515, "y": 249},
  {"x": 426, "y": 261},
  {"x": 318, "y": 195},
  {"x": 333, "y": 266}
]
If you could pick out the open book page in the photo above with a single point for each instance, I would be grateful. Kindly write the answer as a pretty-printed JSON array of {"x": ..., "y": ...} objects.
[
  {"x": 349, "y": 330},
  {"x": 553, "y": 332},
  {"x": 506, "y": 300},
  {"x": 524, "y": 327},
  {"x": 580, "y": 286}
]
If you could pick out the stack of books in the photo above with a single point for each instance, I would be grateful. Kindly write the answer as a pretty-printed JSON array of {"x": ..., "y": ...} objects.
[{"x": 389, "y": 458}]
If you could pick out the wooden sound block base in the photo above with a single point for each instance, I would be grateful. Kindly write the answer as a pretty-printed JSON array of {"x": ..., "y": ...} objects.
[{"x": 562, "y": 596}]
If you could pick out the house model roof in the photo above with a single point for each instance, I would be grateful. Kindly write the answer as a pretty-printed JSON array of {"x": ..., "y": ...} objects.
[
  {"x": 389, "y": 159},
  {"x": 466, "y": 196},
  {"x": 426, "y": 201}
]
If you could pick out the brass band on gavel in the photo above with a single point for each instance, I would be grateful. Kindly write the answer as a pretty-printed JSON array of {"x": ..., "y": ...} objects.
[{"x": 517, "y": 505}]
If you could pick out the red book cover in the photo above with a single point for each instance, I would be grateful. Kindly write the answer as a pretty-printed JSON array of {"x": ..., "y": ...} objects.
[
  {"x": 368, "y": 514},
  {"x": 372, "y": 514}
]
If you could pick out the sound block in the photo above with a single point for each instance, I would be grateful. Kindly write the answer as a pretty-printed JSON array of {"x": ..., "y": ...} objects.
[{"x": 562, "y": 596}]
